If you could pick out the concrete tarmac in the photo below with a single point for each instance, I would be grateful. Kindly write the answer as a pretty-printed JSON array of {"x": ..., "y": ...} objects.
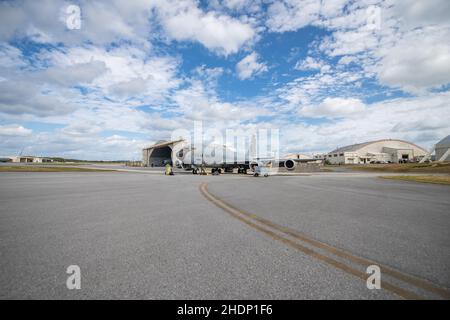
[{"x": 148, "y": 236}]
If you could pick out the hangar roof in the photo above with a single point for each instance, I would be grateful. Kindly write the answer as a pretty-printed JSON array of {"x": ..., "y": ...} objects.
[
  {"x": 444, "y": 143},
  {"x": 356, "y": 147},
  {"x": 162, "y": 143}
]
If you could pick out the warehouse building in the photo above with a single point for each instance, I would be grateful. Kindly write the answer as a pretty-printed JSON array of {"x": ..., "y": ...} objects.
[
  {"x": 380, "y": 151},
  {"x": 25, "y": 159},
  {"x": 300, "y": 156},
  {"x": 159, "y": 154},
  {"x": 442, "y": 149}
]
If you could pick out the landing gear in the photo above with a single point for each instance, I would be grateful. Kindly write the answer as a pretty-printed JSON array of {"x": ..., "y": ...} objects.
[
  {"x": 216, "y": 171},
  {"x": 194, "y": 171},
  {"x": 242, "y": 171}
]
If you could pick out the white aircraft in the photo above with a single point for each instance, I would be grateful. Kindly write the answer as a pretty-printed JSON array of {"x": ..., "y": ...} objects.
[{"x": 220, "y": 157}]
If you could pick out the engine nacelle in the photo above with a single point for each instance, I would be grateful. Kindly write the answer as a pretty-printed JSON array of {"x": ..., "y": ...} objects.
[{"x": 290, "y": 164}]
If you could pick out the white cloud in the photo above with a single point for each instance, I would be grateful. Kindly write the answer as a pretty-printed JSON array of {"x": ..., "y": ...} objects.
[
  {"x": 102, "y": 22},
  {"x": 334, "y": 108},
  {"x": 208, "y": 73},
  {"x": 120, "y": 73},
  {"x": 312, "y": 64},
  {"x": 105, "y": 22},
  {"x": 408, "y": 49},
  {"x": 312, "y": 90},
  {"x": 421, "y": 13},
  {"x": 61, "y": 144},
  {"x": 25, "y": 98},
  {"x": 291, "y": 15},
  {"x": 127, "y": 72},
  {"x": 421, "y": 120},
  {"x": 418, "y": 61},
  {"x": 346, "y": 60},
  {"x": 10, "y": 56},
  {"x": 76, "y": 74},
  {"x": 14, "y": 130},
  {"x": 184, "y": 21},
  {"x": 249, "y": 66},
  {"x": 197, "y": 103}
]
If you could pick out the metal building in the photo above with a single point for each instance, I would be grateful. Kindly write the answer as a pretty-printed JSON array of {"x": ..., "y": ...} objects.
[
  {"x": 442, "y": 149},
  {"x": 159, "y": 154},
  {"x": 380, "y": 151},
  {"x": 25, "y": 159}
]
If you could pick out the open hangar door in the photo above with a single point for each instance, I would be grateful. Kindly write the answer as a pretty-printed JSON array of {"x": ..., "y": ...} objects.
[{"x": 159, "y": 157}]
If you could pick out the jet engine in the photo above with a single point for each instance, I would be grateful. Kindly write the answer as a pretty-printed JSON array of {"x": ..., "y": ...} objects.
[{"x": 290, "y": 164}]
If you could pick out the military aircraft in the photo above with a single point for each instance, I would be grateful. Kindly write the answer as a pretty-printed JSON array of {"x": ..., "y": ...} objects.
[{"x": 223, "y": 158}]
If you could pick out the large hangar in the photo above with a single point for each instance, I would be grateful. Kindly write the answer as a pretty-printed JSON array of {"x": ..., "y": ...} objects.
[
  {"x": 159, "y": 154},
  {"x": 384, "y": 151},
  {"x": 442, "y": 149}
]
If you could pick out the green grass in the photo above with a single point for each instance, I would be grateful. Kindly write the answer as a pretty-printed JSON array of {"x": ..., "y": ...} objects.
[
  {"x": 70, "y": 163},
  {"x": 424, "y": 179},
  {"x": 405, "y": 167},
  {"x": 46, "y": 169}
]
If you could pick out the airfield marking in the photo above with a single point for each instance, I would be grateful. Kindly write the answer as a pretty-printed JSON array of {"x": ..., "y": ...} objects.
[{"x": 238, "y": 213}]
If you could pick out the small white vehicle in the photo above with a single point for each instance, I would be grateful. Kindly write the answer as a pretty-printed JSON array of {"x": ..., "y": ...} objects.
[{"x": 261, "y": 171}]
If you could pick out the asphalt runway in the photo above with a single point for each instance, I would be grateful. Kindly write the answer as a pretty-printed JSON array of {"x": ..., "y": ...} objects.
[{"x": 148, "y": 236}]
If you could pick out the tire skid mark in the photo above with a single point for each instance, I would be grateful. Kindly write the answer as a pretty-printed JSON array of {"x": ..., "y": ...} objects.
[{"x": 250, "y": 219}]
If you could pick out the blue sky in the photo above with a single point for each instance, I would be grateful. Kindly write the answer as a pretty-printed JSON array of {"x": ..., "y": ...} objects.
[{"x": 325, "y": 73}]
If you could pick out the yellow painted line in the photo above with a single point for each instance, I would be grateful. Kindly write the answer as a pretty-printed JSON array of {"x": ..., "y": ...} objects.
[{"x": 238, "y": 214}]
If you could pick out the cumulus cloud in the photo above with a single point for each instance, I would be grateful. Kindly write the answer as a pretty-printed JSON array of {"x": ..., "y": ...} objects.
[
  {"x": 419, "y": 120},
  {"x": 421, "y": 13},
  {"x": 184, "y": 21},
  {"x": 419, "y": 61},
  {"x": 197, "y": 103},
  {"x": 291, "y": 15},
  {"x": 25, "y": 98},
  {"x": 110, "y": 81},
  {"x": 402, "y": 43},
  {"x": 10, "y": 56},
  {"x": 123, "y": 73},
  {"x": 312, "y": 64},
  {"x": 334, "y": 108},
  {"x": 76, "y": 74},
  {"x": 102, "y": 22},
  {"x": 61, "y": 144},
  {"x": 14, "y": 130},
  {"x": 249, "y": 66}
]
